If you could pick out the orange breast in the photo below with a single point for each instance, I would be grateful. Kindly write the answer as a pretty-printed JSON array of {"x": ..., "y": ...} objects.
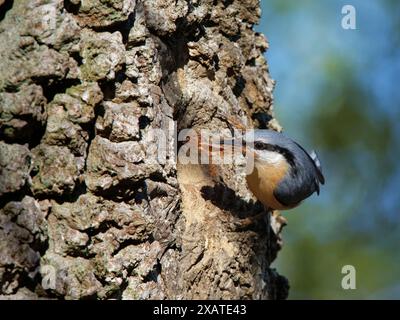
[{"x": 263, "y": 181}]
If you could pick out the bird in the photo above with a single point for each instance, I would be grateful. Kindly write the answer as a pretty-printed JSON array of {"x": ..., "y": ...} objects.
[{"x": 283, "y": 173}]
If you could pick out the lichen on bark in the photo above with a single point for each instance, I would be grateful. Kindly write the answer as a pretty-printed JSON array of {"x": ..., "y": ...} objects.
[{"x": 87, "y": 208}]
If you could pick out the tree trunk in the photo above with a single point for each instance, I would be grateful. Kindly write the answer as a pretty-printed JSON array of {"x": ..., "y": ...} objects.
[{"x": 88, "y": 208}]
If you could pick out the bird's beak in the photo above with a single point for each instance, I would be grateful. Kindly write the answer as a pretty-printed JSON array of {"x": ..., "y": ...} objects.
[{"x": 234, "y": 147}]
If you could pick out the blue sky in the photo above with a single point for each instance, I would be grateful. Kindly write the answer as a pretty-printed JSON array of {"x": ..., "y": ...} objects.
[{"x": 309, "y": 53}]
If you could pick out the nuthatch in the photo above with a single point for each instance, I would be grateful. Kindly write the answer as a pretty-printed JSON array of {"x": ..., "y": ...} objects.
[{"x": 284, "y": 174}]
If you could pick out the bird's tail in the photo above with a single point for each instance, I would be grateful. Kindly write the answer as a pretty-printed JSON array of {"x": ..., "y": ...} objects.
[{"x": 317, "y": 163}]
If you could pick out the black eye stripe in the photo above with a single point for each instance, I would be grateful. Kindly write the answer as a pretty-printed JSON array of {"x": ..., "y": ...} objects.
[{"x": 259, "y": 145}]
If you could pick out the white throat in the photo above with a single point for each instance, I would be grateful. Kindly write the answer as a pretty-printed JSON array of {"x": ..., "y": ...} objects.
[{"x": 271, "y": 157}]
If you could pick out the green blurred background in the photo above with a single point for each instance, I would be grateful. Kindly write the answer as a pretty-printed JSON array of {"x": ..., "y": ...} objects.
[{"x": 338, "y": 91}]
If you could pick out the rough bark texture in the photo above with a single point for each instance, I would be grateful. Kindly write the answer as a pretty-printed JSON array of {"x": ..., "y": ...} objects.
[{"x": 87, "y": 208}]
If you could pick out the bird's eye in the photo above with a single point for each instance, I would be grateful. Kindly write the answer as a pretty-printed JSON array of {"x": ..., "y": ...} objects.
[{"x": 258, "y": 145}]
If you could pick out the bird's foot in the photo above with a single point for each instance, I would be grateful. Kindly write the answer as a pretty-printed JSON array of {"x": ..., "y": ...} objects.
[{"x": 277, "y": 221}]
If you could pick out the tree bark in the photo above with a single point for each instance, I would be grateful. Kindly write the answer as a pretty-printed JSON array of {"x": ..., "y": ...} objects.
[{"x": 88, "y": 210}]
